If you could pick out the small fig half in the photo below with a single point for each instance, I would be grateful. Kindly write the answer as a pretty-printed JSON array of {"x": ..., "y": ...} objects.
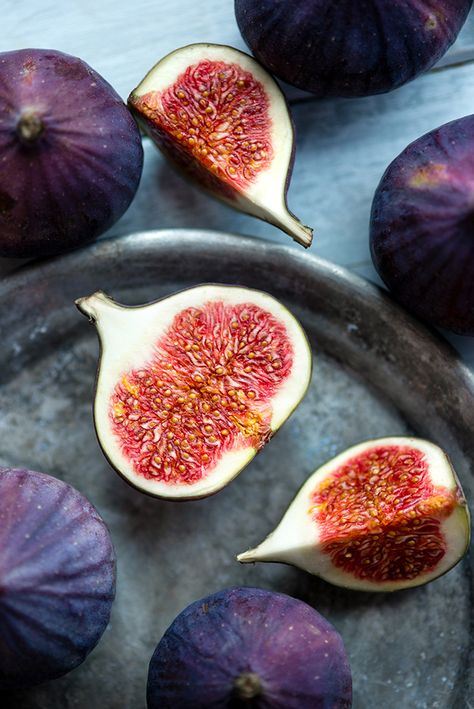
[
  {"x": 384, "y": 515},
  {"x": 57, "y": 578},
  {"x": 192, "y": 386},
  {"x": 223, "y": 120},
  {"x": 247, "y": 648}
]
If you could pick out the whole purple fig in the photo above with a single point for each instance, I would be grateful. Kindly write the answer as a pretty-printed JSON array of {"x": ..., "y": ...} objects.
[
  {"x": 246, "y": 647},
  {"x": 71, "y": 153},
  {"x": 57, "y": 578},
  {"x": 422, "y": 227},
  {"x": 349, "y": 48}
]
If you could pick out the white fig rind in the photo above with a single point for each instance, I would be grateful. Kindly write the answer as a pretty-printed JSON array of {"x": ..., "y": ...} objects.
[
  {"x": 265, "y": 198},
  {"x": 128, "y": 336},
  {"x": 296, "y": 540}
]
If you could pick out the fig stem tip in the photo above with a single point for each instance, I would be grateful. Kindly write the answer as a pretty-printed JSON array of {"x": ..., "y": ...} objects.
[{"x": 91, "y": 305}]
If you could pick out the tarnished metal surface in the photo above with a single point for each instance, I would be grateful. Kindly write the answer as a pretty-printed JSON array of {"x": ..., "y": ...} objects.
[{"x": 376, "y": 373}]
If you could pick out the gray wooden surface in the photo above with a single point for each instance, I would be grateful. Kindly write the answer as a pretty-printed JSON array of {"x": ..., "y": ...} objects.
[{"x": 343, "y": 145}]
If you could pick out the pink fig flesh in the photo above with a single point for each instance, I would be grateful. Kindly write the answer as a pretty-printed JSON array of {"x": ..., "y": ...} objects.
[
  {"x": 215, "y": 121},
  {"x": 224, "y": 122},
  {"x": 206, "y": 391}
]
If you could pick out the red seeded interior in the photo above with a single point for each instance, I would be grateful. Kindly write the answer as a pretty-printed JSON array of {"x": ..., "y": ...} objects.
[
  {"x": 215, "y": 121},
  {"x": 206, "y": 390},
  {"x": 379, "y": 515}
]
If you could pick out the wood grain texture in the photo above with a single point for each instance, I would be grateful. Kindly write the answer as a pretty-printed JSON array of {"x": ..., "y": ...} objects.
[
  {"x": 122, "y": 40},
  {"x": 343, "y": 146}
]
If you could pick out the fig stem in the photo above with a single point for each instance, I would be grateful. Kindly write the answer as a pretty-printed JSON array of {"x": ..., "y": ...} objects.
[
  {"x": 93, "y": 305},
  {"x": 292, "y": 226},
  {"x": 247, "y": 686},
  {"x": 29, "y": 127}
]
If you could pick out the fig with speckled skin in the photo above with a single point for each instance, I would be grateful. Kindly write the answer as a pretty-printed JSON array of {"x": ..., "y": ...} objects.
[
  {"x": 71, "y": 153},
  {"x": 57, "y": 578},
  {"x": 349, "y": 48},
  {"x": 422, "y": 227},
  {"x": 246, "y": 647}
]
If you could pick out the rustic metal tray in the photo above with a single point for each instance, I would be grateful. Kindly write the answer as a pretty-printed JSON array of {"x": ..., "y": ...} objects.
[{"x": 377, "y": 372}]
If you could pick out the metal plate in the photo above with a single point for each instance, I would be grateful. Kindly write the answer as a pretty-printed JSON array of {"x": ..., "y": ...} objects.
[{"x": 377, "y": 372}]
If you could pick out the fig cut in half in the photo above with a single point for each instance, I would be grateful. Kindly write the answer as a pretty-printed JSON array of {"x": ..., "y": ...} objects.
[
  {"x": 384, "y": 515},
  {"x": 223, "y": 120},
  {"x": 192, "y": 386}
]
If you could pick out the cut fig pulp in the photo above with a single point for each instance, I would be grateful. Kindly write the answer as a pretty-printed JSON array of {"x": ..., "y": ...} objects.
[
  {"x": 223, "y": 120},
  {"x": 192, "y": 386},
  {"x": 384, "y": 515}
]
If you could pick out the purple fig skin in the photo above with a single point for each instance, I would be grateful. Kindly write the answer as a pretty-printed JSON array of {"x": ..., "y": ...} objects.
[
  {"x": 349, "y": 48},
  {"x": 72, "y": 153},
  {"x": 246, "y": 647},
  {"x": 422, "y": 227},
  {"x": 57, "y": 578}
]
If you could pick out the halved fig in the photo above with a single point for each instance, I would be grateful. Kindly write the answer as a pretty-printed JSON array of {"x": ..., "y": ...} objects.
[
  {"x": 192, "y": 386},
  {"x": 384, "y": 515},
  {"x": 223, "y": 120}
]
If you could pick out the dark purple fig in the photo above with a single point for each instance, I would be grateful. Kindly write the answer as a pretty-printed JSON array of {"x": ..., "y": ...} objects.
[
  {"x": 422, "y": 227},
  {"x": 57, "y": 578},
  {"x": 246, "y": 647},
  {"x": 71, "y": 153},
  {"x": 349, "y": 48}
]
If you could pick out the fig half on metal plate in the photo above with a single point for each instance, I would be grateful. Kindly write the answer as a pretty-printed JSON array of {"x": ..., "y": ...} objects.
[
  {"x": 223, "y": 120},
  {"x": 384, "y": 515},
  {"x": 191, "y": 387},
  {"x": 247, "y": 648}
]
